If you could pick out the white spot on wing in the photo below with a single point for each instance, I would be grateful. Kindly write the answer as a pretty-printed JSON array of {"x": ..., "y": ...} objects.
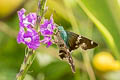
[
  {"x": 83, "y": 43},
  {"x": 77, "y": 42},
  {"x": 92, "y": 42},
  {"x": 76, "y": 46},
  {"x": 79, "y": 38}
]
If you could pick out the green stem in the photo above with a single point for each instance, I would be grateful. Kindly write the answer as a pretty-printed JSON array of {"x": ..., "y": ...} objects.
[
  {"x": 40, "y": 12},
  {"x": 42, "y": 7},
  {"x": 28, "y": 59},
  {"x": 88, "y": 65}
]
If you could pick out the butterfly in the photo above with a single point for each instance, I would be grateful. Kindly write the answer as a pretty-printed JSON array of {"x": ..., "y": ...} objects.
[{"x": 68, "y": 41}]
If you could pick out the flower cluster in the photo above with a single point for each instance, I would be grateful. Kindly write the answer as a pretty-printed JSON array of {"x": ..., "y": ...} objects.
[
  {"x": 46, "y": 30},
  {"x": 27, "y": 33}
]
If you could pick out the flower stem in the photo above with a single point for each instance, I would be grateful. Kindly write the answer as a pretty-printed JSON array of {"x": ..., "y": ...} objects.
[
  {"x": 40, "y": 11},
  {"x": 28, "y": 59}
]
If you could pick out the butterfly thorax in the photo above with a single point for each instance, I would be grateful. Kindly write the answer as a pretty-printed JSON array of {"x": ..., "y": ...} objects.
[{"x": 63, "y": 34}]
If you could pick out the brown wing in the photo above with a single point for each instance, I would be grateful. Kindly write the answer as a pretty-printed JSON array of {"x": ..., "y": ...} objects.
[
  {"x": 71, "y": 40},
  {"x": 75, "y": 41}
]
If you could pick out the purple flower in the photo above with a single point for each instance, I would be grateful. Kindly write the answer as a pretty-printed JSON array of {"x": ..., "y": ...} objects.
[
  {"x": 47, "y": 40},
  {"x": 47, "y": 27},
  {"x": 27, "y": 34},
  {"x": 27, "y": 21},
  {"x": 29, "y": 37}
]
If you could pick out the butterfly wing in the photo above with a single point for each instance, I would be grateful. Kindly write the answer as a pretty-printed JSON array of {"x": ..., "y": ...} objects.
[
  {"x": 71, "y": 39},
  {"x": 74, "y": 41}
]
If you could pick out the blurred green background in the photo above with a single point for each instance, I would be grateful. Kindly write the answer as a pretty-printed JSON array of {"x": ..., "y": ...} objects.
[{"x": 95, "y": 19}]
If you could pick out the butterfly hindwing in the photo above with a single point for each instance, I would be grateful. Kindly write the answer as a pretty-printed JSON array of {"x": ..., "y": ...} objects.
[{"x": 75, "y": 41}]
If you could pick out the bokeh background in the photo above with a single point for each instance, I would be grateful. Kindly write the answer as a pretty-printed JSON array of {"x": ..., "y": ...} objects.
[{"x": 98, "y": 20}]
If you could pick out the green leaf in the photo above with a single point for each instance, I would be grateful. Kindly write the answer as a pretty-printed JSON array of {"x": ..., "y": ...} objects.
[{"x": 100, "y": 14}]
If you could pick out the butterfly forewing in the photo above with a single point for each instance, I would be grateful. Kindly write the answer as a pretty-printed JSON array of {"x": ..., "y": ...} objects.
[
  {"x": 75, "y": 41},
  {"x": 71, "y": 42}
]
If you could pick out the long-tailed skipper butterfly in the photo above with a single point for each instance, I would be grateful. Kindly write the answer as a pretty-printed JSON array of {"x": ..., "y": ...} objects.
[{"x": 68, "y": 41}]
